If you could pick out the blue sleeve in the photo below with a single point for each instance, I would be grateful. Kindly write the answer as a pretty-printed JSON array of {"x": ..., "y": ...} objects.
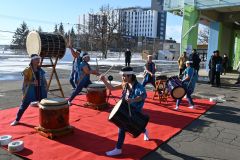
[
  {"x": 140, "y": 91},
  {"x": 190, "y": 72}
]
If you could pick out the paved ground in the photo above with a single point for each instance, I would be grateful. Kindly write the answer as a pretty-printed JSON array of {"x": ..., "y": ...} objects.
[{"x": 214, "y": 136}]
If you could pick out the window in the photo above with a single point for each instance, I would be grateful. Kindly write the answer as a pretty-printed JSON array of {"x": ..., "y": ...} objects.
[{"x": 171, "y": 46}]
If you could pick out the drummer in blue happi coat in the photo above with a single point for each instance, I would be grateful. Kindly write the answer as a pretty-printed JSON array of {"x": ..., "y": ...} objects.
[
  {"x": 134, "y": 94},
  {"x": 84, "y": 70},
  {"x": 34, "y": 86},
  {"x": 149, "y": 72}
]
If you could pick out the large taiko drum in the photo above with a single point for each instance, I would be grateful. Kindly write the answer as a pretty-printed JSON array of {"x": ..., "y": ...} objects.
[
  {"x": 53, "y": 114},
  {"x": 45, "y": 44},
  {"x": 96, "y": 96},
  {"x": 174, "y": 85},
  {"x": 134, "y": 124}
]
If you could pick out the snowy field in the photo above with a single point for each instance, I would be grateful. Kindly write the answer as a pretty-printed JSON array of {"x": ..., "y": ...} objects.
[{"x": 11, "y": 65}]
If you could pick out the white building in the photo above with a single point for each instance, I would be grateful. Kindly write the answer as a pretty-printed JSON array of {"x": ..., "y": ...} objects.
[{"x": 144, "y": 22}]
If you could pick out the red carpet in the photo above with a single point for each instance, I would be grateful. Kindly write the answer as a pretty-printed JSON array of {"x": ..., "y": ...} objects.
[{"x": 94, "y": 135}]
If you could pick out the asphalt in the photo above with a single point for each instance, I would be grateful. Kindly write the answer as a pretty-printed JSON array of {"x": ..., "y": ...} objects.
[{"x": 213, "y": 136}]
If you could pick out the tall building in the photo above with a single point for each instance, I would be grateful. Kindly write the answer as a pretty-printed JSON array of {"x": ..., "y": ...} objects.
[{"x": 146, "y": 22}]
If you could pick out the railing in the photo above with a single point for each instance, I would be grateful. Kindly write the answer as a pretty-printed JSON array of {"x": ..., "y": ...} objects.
[{"x": 172, "y": 5}]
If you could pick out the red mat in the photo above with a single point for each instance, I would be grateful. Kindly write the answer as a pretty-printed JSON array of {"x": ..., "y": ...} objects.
[{"x": 94, "y": 135}]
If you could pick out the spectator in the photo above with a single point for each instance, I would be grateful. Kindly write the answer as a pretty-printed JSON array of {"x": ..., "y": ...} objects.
[
  {"x": 128, "y": 56},
  {"x": 194, "y": 57},
  {"x": 225, "y": 63},
  {"x": 181, "y": 63},
  {"x": 238, "y": 69},
  {"x": 216, "y": 67}
]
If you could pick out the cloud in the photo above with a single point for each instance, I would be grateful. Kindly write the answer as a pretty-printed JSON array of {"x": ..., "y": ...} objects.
[{"x": 174, "y": 31}]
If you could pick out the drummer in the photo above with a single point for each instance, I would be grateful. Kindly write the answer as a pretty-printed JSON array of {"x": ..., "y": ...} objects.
[
  {"x": 149, "y": 72},
  {"x": 189, "y": 80},
  {"x": 34, "y": 86},
  {"x": 77, "y": 59},
  {"x": 134, "y": 94},
  {"x": 84, "y": 70}
]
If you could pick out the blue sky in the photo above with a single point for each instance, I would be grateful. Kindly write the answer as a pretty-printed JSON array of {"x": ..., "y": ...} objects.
[{"x": 47, "y": 13}]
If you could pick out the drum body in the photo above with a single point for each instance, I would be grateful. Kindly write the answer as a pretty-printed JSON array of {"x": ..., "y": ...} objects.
[
  {"x": 96, "y": 95},
  {"x": 45, "y": 44},
  {"x": 53, "y": 113},
  {"x": 174, "y": 85},
  {"x": 134, "y": 124}
]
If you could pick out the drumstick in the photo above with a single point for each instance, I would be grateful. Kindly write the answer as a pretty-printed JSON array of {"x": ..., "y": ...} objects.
[
  {"x": 107, "y": 71},
  {"x": 129, "y": 109}
]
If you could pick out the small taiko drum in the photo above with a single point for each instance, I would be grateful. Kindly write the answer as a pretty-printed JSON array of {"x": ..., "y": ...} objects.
[
  {"x": 45, "y": 44},
  {"x": 175, "y": 87},
  {"x": 134, "y": 124},
  {"x": 53, "y": 113},
  {"x": 96, "y": 96}
]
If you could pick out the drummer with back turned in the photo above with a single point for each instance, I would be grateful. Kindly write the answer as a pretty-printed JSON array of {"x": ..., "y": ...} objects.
[
  {"x": 134, "y": 94},
  {"x": 34, "y": 86},
  {"x": 189, "y": 80},
  {"x": 149, "y": 72},
  {"x": 77, "y": 59}
]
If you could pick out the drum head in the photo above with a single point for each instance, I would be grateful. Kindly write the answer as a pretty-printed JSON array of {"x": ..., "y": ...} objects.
[
  {"x": 95, "y": 85},
  {"x": 33, "y": 43},
  {"x": 53, "y": 101},
  {"x": 178, "y": 92},
  {"x": 115, "y": 109}
]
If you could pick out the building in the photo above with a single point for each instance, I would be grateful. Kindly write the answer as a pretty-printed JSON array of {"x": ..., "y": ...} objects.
[
  {"x": 221, "y": 16},
  {"x": 146, "y": 22}
]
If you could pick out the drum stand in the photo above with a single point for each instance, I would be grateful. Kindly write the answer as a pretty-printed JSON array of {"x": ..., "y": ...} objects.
[{"x": 54, "y": 72}]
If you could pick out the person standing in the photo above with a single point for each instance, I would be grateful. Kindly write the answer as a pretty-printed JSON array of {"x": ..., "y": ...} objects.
[
  {"x": 181, "y": 63},
  {"x": 225, "y": 63},
  {"x": 194, "y": 57},
  {"x": 189, "y": 80},
  {"x": 84, "y": 70},
  {"x": 134, "y": 94},
  {"x": 128, "y": 56},
  {"x": 238, "y": 69},
  {"x": 77, "y": 59},
  {"x": 34, "y": 86},
  {"x": 149, "y": 72},
  {"x": 216, "y": 68}
]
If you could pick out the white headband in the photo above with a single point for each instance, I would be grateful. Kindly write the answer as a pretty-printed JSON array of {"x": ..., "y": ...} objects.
[
  {"x": 126, "y": 72},
  {"x": 85, "y": 56},
  {"x": 35, "y": 57}
]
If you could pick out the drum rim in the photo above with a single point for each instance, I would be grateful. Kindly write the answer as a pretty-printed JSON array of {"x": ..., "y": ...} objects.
[
  {"x": 51, "y": 107},
  {"x": 46, "y": 103},
  {"x": 99, "y": 85},
  {"x": 39, "y": 42}
]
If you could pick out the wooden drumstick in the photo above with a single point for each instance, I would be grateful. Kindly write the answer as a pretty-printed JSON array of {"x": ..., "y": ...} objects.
[{"x": 107, "y": 71}]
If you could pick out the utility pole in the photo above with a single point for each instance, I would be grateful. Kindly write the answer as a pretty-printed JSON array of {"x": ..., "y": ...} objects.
[{"x": 78, "y": 30}]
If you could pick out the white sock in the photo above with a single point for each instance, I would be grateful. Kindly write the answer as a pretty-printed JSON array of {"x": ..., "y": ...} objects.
[
  {"x": 14, "y": 123},
  {"x": 146, "y": 137},
  {"x": 114, "y": 152},
  {"x": 176, "y": 108},
  {"x": 191, "y": 107}
]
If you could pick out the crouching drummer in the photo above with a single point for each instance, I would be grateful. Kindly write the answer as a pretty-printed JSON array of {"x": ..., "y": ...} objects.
[{"x": 134, "y": 94}]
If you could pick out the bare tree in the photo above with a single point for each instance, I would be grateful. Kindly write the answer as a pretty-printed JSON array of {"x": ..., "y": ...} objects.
[
  {"x": 102, "y": 28},
  {"x": 203, "y": 36}
]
